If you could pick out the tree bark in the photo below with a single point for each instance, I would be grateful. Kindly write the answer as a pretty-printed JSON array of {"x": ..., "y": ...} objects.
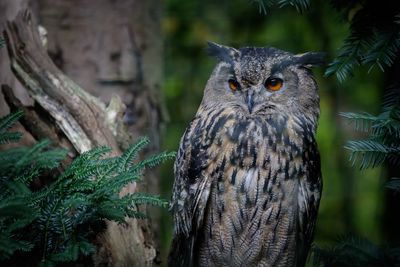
[
  {"x": 76, "y": 120},
  {"x": 113, "y": 47}
]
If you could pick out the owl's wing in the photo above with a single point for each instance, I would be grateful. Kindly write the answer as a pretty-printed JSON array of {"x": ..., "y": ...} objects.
[
  {"x": 310, "y": 188},
  {"x": 190, "y": 194}
]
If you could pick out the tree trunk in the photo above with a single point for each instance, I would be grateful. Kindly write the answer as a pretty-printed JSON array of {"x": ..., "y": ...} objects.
[
  {"x": 114, "y": 47},
  {"x": 8, "y": 10}
]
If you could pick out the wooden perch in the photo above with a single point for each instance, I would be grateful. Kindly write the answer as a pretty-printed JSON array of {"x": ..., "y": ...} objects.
[{"x": 83, "y": 120}]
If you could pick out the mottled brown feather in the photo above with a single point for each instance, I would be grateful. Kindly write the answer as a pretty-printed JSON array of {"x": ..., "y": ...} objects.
[{"x": 248, "y": 182}]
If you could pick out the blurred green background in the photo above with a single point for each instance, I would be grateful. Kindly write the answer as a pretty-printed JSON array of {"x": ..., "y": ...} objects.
[{"x": 352, "y": 200}]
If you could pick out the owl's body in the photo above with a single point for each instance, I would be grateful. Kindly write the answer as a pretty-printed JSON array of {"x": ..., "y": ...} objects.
[{"x": 248, "y": 179}]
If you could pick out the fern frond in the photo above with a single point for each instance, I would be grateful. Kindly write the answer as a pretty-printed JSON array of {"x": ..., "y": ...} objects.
[
  {"x": 348, "y": 58},
  {"x": 383, "y": 51},
  {"x": 391, "y": 99},
  {"x": 82, "y": 161},
  {"x": 370, "y": 152},
  {"x": 15, "y": 188},
  {"x": 2, "y": 42},
  {"x": 6, "y": 123},
  {"x": 9, "y": 138},
  {"x": 126, "y": 160},
  {"x": 113, "y": 186},
  {"x": 9, "y": 245},
  {"x": 300, "y": 5},
  {"x": 386, "y": 128},
  {"x": 142, "y": 198},
  {"x": 32, "y": 152},
  {"x": 64, "y": 216},
  {"x": 136, "y": 214},
  {"x": 15, "y": 207},
  {"x": 9, "y": 120},
  {"x": 384, "y": 131},
  {"x": 362, "y": 121},
  {"x": 393, "y": 184},
  {"x": 153, "y": 161},
  {"x": 69, "y": 254},
  {"x": 109, "y": 210},
  {"x": 263, "y": 5}
]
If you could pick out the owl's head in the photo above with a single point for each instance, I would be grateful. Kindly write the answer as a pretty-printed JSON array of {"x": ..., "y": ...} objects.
[{"x": 262, "y": 80}]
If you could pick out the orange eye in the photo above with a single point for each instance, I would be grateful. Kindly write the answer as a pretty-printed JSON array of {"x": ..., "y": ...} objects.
[
  {"x": 273, "y": 84},
  {"x": 233, "y": 84}
]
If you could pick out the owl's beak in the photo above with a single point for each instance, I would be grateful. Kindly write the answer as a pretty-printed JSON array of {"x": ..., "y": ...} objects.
[{"x": 250, "y": 100}]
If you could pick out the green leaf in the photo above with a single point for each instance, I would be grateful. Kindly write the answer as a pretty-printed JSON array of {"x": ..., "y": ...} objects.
[
  {"x": 126, "y": 160},
  {"x": 142, "y": 198},
  {"x": 300, "y": 5},
  {"x": 9, "y": 120},
  {"x": 362, "y": 121},
  {"x": 384, "y": 50},
  {"x": 371, "y": 153},
  {"x": 153, "y": 161},
  {"x": 394, "y": 184},
  {"x": 349, "y": 57},
  {"x": 6, "y": 123}
]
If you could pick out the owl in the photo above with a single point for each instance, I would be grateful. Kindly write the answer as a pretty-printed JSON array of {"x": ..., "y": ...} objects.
[{"x": 247, "y": 175}]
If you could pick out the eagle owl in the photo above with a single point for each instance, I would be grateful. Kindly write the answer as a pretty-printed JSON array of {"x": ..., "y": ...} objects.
[{"x": 247, "y": 174}]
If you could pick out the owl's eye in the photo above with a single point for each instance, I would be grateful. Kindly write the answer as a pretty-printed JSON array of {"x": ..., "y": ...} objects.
[
  {"x": 273, "y": 84},
  {"x": 233, "y": 85}
]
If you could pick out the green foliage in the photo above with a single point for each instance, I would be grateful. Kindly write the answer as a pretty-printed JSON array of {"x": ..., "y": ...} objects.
[
  {"x": 353, "y": 251},
  {"x": 394, "y": 184},
  {"x": 5, "y": 124},
  {"x": 2, "y": 42},
  {"x": 18, "y": 166},
  {"x": 374, "y": 38},
  {"x": 58, "y": 222},
  {"x": 383, "y": 142},
  {"x": 300, "y": 5},
  {"x": 348, "y": 58}
]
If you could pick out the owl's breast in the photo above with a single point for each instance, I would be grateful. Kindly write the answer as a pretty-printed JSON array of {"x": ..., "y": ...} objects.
[
  {"x": 252, "y": 140},
  {"x": 253, "y": 165}
]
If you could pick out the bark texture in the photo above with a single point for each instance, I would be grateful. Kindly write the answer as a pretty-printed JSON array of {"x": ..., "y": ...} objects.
[
  {"x": 72, "y": 117},
  {"x": 113, "y": 47}
]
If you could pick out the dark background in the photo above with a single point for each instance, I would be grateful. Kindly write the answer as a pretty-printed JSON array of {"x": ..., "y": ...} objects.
[{"x": 352, "y": 200}]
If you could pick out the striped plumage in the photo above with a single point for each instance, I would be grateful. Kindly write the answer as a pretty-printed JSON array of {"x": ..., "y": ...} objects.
[{"x": 248, "y": 179}]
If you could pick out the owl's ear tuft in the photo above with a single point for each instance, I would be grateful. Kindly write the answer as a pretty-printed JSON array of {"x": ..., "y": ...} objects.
[
  {"x": 310, "y": 59},
  {"x": 223, "y": 53}
]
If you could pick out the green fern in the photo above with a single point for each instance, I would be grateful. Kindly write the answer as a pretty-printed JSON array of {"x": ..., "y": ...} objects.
[
  {"x": 349, "y": 57},
  {"x": 61, "y": 216},
  {"x": 372, "y": 152},
  {"x": 126, "y": 160},
  {"x": 2, "y": 42},
  {"x": 394, "y": 184},
  {"x": 383, "y": 142},
  {"x": 5, "y": 124},
  {"x": 383, "y": 50},
  {"x": 300, "y": 5},
  {"x": 372, "y": 41}
]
